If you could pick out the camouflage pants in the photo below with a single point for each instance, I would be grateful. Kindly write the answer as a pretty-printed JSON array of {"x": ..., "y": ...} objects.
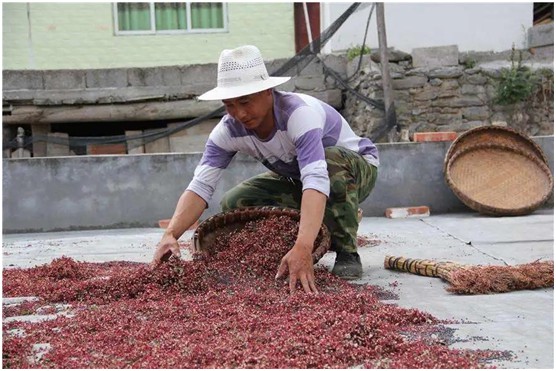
[{"x": 351, "y": 181}]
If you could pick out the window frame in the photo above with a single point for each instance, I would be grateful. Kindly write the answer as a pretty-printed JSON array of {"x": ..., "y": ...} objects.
[{"x": 154, "y": 31}]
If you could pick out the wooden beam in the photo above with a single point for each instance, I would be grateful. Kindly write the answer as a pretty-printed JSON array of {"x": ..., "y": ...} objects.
[
  {"x": 389, "y": 106},
  {"x": 145, "y": 111}
]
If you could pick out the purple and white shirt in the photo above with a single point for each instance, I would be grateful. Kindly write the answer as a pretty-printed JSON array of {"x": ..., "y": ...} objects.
[{"x": 304, "y": 126}]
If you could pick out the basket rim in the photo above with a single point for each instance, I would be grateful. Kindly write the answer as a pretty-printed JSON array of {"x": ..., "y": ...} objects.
[
  {"x": 516, "y": 133},
  {"x": 486, "y": 209},
  {"x": 252, "y": 213}
]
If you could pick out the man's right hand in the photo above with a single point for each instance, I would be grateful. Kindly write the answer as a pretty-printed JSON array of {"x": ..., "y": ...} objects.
[{"x": 168, "y": 244}]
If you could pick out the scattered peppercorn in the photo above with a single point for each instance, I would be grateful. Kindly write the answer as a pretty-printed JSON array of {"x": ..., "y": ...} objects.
[{"x": 222, "y": 310}]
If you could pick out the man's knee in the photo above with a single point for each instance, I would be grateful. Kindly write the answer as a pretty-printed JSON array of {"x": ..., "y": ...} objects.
[{"x": 231, "y": 199}]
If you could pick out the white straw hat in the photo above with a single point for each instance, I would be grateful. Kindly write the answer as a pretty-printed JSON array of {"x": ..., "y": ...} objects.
[{"x": 241, "y": 71}]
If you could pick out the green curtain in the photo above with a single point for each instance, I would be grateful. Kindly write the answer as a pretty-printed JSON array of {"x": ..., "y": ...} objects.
[
  {"x": 171, "y": 16},
  {"x": 207, "y": 15},
  {"x": 134, "y": 17}
]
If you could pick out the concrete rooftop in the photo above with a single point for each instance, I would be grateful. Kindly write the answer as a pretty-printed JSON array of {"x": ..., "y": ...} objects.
[{"x": 521, "y": 322}]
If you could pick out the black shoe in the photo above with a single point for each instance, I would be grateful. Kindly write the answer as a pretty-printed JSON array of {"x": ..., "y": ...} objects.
[{"x": 348, "y": 266}]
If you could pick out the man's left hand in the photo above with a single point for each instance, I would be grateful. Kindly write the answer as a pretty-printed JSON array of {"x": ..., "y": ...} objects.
[{"x": 299, "y": 263}]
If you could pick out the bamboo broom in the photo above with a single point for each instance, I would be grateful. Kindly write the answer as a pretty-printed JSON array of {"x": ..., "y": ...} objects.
[{"x": 477, "y": 279}]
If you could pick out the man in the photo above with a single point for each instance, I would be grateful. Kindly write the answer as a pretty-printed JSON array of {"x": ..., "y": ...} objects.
[{"x": 317, "y": 164}]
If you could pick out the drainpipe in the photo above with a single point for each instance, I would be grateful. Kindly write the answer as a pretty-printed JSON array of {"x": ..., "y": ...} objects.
[
  {"x": 308, "y": 25},
  {"x": 31, "y": 54}
]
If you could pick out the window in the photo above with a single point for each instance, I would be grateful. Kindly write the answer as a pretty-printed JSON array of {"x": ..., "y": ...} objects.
[{"x": 151, "y": 18}]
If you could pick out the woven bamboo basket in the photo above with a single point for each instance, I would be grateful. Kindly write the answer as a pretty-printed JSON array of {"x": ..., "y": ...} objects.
[
  {"x": 499, "y": 180},
  {"x": 230, "y": 221},
  {"x": 495, "y": 135}
]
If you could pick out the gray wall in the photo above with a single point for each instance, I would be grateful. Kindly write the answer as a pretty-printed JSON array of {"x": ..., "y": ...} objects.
[{"x": 82, "y": 192}]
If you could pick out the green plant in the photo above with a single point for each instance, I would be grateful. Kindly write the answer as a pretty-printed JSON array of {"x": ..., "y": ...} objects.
[
  {"x": 356, "y": 51},
  {"x": 516, "y": 83},
  {"x": 470, "y": 63}
]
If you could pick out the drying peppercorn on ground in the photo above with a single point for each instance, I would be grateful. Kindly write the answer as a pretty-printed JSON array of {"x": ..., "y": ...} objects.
[{"x": 241, "y": 318}]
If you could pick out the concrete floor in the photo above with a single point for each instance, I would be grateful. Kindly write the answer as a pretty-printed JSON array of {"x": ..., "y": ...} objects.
[{"x": 521, "y": 322}]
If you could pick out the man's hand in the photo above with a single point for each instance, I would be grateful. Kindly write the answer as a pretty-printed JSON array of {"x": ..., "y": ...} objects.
[
  {"x": 299, "y": 263},
  {"x": 168, "y": 244}
]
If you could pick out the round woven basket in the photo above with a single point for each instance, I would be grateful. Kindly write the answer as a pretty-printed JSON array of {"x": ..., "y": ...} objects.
[
  {"x": 495, "y": 135},
  {"x": 230, "y": 221},
  {"x": 496, "y": 179}
]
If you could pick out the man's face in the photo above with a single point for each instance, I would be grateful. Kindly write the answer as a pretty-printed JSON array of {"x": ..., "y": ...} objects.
[{"x": 251, "y": 110}]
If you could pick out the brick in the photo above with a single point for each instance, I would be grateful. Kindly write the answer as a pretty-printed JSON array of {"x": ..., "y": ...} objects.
[
  {"x": 106, "y": 149},
  {"x": 407, "y": 212},
  {"x": 163, "y": 223},
  {"x": 443, "y": 136}
]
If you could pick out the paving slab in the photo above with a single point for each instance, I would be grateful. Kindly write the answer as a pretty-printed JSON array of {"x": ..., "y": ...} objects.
[{"x": 519, "y": 322}]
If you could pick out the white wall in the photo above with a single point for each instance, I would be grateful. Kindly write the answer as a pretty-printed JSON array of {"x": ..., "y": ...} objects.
[{"x": 471, "y": 26}]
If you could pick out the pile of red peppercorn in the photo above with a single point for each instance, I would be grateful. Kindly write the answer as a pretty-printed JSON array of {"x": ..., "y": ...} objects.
[{"x": 223, "y": 310}]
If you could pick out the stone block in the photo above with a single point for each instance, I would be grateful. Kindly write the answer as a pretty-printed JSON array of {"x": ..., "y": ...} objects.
[
  {"x": 160, "y": 145},
  {"x": 39, "y": 133},
  {"x": 309, "y": 82},
  {"x": 435, "y": 82},
  {"x": 475, "y": 79},
  {"x": 22, "y": 79},
  {"x": 409, "y": 82},
  {"x": 450, "y": 84},
  {"x": 438, "y": 56},
  {"x": 446, "y": 93},
  {"x": 332, "y": 96},
  {"x": 392, "y": 54},
  {"x": 196, "y": 73},
  {"x": 199, "y": 78},
  {"x": 445, "y": 118},
  {"x": 171, "y": 75},
  {"x": 107, "y": 78},
  {"x": 540, "y": 35},
  {"x": 544, "y": 52},
  {"x": 64, "y": 79},
  {"x": 465, "y": 101},
  {"x": 427, "y": 94},
  {"x": 57, "y": 145},
  {"x": 338, "y": 63},
  {"x": 21, "y": 153},
  {"x": 476, "y": 113},
  {"x": 288, "y": 86},
  {"x": 312, "y": 69},
  {"x": 470, "y": 89},
  {"x": 134, "y": 146},
  {"x": 274, "y": 65},
  {"x": 446, "y": 72},
  {"x": 366, "y": 65},
  {"x": 144, "y": 77}
]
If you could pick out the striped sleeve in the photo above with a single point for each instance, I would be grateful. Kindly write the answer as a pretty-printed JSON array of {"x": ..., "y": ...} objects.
[
  {"x": 216, "y": 158},
  {"x": 305, "y": 126}
]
